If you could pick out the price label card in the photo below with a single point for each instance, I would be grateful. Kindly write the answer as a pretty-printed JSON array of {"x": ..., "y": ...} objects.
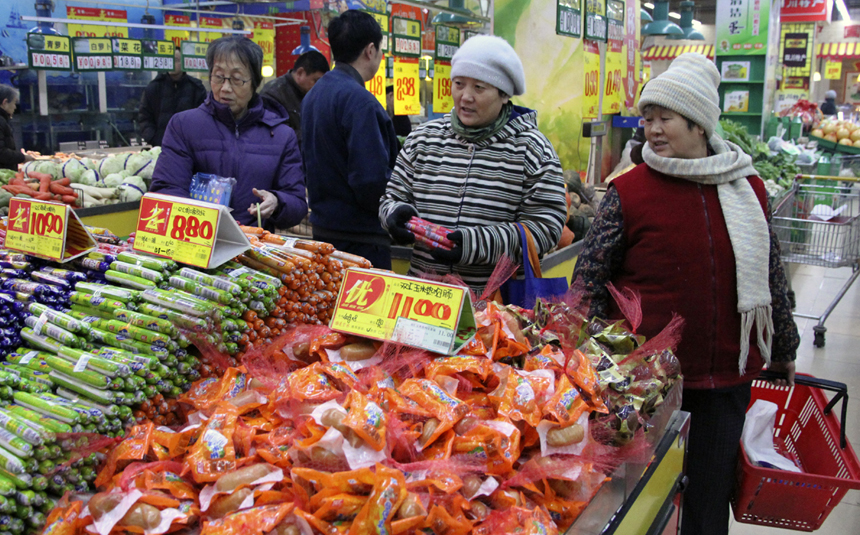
[
  {"x": 47, "y": 230},
  {"x": 833, "y": 70},
  {"x": 158, "y": 55},
  {"x": 49, "y": 52},
  {"x": 406, "y": 101},
  {"x": 443, "y": 100},
  {"x": 92, "y": 54},
  {"x": 447, "y": 42},
  {"x": 407, "y": 37},
  {"x": 191, "y": 232},
  {"x": 194, "y": 56},
  {"x": 127, "y": 54},
  {"x": 376, "y": 85},
  {"x": 415, "y": 312}
]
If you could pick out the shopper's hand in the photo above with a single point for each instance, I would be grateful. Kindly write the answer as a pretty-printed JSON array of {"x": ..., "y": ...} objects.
[
  {"x": 267, "y": 206},
  {"x": 27, "y": 157},
  {"x": 396, "y": 224},
  {"x": 786, "y": 368},
  {"x": 455, "y": 254}
]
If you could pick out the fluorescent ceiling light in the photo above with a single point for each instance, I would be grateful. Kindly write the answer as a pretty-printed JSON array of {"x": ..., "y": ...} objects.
[
  {"x": 674, "y": 15},
  {"x": 649, "y": 5},
  {"x": 843, "y": 11}
]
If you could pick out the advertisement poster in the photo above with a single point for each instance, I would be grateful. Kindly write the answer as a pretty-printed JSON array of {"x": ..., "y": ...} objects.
[
  {"x": 833, "y": 70},
  {"x": 177, "y": 36},
  {"x": 96, "y": 14},
  {"x": 804, "y": 11},
  {"x": 613, "y": 84},
  {"x": 210, "y": 22},
  {"x": 852, "y": 88},
  {"x": 796, "y": 48},
  {"x": 631, "y": 55},
  {"x": 264, "y": 35},
  {"x": 742, "y": 28}
]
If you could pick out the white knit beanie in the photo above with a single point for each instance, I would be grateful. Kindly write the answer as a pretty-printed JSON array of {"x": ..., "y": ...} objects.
[
  {"x": 688, "y": 87},
  {"x": 492, "y": 60}
]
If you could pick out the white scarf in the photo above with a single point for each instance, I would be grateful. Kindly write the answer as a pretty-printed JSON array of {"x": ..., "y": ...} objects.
[{"x": 727, "y": 169}]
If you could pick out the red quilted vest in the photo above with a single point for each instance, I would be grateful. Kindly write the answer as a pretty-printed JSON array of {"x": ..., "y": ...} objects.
[{"x": 679, "y": 258}]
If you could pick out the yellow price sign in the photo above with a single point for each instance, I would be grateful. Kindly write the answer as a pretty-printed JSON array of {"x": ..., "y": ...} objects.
[
  {"x": 411, "y": 311},
  {"x": 37, "y": 228},
  {"x": 406, "y": 101},
  {"x": 174, "y": 229},
  {"x": 376, "y": 85},
  {"x": 128, "y": 46},
  {"x": 591, "y": 88},
  {"x": 165, "y": 48},
  {"x": 381, "y": 18},
  {"x": 177, "y": 36},
  {"x": 56, "y": 43},
  {"x": 99, "y": 45},
  {"x": 443, "y": 100},
  {"x": 833, "y": 70}
]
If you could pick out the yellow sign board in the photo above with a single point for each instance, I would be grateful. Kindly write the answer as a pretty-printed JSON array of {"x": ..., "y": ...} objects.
[
  {"x": 443, "y": 100},
  {"x": 591, "y": 87},
  {"x": 833, "y": 70},
  {"x": 210, "y": 22},
  {"x": 264, "y": 35},
  {"x": 415, "y": 312},
  {"x": 376, "y": 85},
  {"x": 177, "y": 36},
  {"x": 406, "y": 100},
  {"x": 97, "y": 15},
  {"x": 47, "y": 230}
]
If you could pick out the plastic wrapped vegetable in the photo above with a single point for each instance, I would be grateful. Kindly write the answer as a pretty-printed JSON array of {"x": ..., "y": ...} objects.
[
  {"x": 90, "y": 177},
  {"x": 113, "y": 180},
  {"x": 113, "y": 164},
  {"x": 132, "y": 189},
  {"x": 72, "y": 169},
  {"x": 141, "y": 164},
  {"x": 49, "y": 168}
]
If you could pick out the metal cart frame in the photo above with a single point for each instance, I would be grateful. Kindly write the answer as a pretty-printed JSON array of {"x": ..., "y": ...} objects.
[{"x": 808, "y": 236}]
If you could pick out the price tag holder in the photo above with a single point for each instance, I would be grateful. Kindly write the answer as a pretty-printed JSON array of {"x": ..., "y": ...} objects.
[
  {"x": 47, "y": 230},
  {"x": 192, "y": 232},
  {"x": 410, "y": 311}
]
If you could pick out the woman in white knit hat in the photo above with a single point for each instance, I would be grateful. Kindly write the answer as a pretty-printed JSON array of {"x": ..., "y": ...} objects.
[
  {"x": 689, "y": 230},
  {"x": 478, "y": 171}
]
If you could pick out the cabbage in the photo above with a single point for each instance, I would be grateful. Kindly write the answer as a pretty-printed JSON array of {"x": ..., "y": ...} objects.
[
  {"x": 90, "y": 164},
  {"x": 113, "y": 164},
  {"x": 113, "y": 180},
  {"x": 29, "y": 166},
  {"x": 49, "y": 168},
  {"x": 90, "y": 177},
  {"x": 141, "y": 164},
  {"x": 155, "y": 152},
  {"x": 73, "y": 169},
  {"x": 132, "y": 189}
]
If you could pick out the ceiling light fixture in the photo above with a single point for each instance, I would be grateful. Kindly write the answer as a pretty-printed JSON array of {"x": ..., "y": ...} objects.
[
  {"x": 689, "y": 33},
  {"x": 661, "y": 24}
]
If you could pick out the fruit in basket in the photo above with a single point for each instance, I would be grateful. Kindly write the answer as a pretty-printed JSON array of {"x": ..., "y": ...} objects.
[
  {"x": 846, "y": 141},
  {"x": 831, "y": 137},
  {"x": 829, "y": 128},
  {"x": 817, "y": 132},
  {"x": 842, "y": 133}
]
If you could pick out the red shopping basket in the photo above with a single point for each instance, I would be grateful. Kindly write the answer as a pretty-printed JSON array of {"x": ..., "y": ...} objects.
[{"x": 807, "y": 432}]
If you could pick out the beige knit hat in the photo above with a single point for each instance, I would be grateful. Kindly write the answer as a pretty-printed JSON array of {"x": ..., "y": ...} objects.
[
  {"x": 688, "y": 87},
  {"x": 492, "y": 60}
]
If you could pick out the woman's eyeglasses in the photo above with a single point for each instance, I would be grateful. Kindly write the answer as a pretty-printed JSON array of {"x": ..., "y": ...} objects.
[{"x": 234, "y": 81}]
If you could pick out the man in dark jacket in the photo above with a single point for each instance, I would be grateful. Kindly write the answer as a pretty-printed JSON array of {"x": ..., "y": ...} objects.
[
  {"x": 168, "y": 94},
  {"x": 289, "y": 90},
  {"x": 10, "y": 157},
  {"x": 349, "y": 145}
]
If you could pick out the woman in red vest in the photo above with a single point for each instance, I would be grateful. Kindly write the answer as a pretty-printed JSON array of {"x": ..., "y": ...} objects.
[{"x": 689, "y": 230}]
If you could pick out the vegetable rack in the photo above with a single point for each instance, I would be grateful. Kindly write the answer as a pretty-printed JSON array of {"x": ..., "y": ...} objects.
[
  {"x": 807, "y": 432},
  {"x": 818, "y": 223}
]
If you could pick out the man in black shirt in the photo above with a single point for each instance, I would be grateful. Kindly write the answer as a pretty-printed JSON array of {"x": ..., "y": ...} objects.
[
  {"x": 289, "y": 90},
  {"x": 169, "y": 93}
]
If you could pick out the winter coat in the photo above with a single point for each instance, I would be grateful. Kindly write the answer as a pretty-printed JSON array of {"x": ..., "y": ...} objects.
[
  {"x": 162, "y": 99},
  {"x": 286, "y": 92},
  {"x": 349, "y": 148},
  {"x": 481, "y": 189},
  {"x": 259, "y": 152},
  {"x": 10, "y": 156}
]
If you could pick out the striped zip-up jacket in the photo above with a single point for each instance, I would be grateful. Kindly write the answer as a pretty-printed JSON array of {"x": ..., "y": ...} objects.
[{"x": 481, "y": 189}]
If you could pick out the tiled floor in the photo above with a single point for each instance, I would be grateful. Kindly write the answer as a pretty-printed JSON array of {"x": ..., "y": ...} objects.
[{"x": 839, "y": 360}]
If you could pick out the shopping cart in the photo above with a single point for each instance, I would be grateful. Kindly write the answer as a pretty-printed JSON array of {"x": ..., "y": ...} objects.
[
  {"x": 807, "y": 432},
  {"x": 818, "y": 223}
]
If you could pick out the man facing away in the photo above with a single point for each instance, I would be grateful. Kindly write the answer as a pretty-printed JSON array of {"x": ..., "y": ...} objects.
[
  {"x": 166, "y": 95},
  {"x": 289, "y": 90},
  {"x": 349, "y": 145}
]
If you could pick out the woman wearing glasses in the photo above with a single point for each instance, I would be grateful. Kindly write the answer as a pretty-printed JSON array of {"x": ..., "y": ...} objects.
[{"x": 232, "y": 135}]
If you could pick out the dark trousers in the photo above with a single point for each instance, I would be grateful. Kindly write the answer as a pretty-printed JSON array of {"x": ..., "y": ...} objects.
[
  {"x": 716, "y": 423},
  {"x": 379, "y": 255}
]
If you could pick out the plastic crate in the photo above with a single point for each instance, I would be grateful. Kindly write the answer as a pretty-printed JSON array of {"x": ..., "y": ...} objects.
[{"x": 807, "y": 432}]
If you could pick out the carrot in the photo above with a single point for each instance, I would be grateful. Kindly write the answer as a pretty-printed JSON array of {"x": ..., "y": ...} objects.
[
  {"x": 17, "y": 189},
  {"x": 41, "y": 195},
  {"x": 18, "y": 180},
  {"x": 44, "y": 183},
  {"x": 39, "y": 176},
  {"x": 69, "y": 199},
  {"x": 66, "y": 181},
  {"x": 55, "y": 187}
]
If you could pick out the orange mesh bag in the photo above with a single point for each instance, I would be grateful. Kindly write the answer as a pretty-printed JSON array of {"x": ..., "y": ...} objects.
[
  {"x": 366, "y": 419},
  {"x": 254, "y": 521},
  {"x": 515, "y": 398},
  {"x": 133, "y": 448},
  {"x": 207, "y": 393},
  {"x": 495, "y": 443},
  {"x": 445, "y": 409},
  {"x": 65, "y": 518},
  {"x": 214, "y": 454}
]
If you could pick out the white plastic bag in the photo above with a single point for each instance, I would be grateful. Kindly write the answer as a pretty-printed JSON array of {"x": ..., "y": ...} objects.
[{"x": 757, "y": 437}]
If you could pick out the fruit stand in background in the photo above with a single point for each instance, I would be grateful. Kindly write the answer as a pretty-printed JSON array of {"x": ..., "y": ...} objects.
[{"x": 840, "y": 136}]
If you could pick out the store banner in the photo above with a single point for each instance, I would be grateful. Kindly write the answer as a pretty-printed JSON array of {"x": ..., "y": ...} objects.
[
  {"x": 795, "y": 45},
  {"x": 833, "y": 70},
  {"x": 568, "y": 18},
  {"x": 591, "y": 90},
  {"x": 794, "y": 50},
  {"x": 406, "y": 83},
  {"x": 742, "y": 27},
  {"x": 851, "y": 31},
  {"x": 177, "y": 36},
  {"x": 796, "y": 82},
  {"x": 92, "y": 54},
  {"x": 47, "y": 230},
  {"x": 631, "y": 55},
  {"x": 804, "y": 11},
  {"x": 447, "y": 42},
  {"x": 786, "y": 98},
  {"x": 443, "y": 100},
  {"x": 595, "y": 20},
  {"x": 158, "y": 55},
  {"x": 96, "y": 14},
  {"x": 264, "y": 35},
  {"x": 407, "y": 37},
  {"x": 376, "y": 85},
  {"x": 194, "y": 56},
  {"x": 382, "y": 19},
  {"x": 209, "y": 23},
  {"x": 127, "y": 54},
  {"x": 613, "y": 85},
  {"x": 49, "y": 52}
]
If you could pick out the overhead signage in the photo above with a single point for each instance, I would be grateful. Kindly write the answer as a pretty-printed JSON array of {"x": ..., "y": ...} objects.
[
  {"x": 49, "y": 52},
  {"x": 209, "y": 23},
  {"x": 796, "y": 48},
  {"x": 97, "y": 15},
  {"x": 742, "y": 28},
  {"x": 803, "y": 11},
  {"x": 406, "y": 82},
  {"x": 833, "y": 70},
  {"x": 447, "y": 42},
  {"x": 415, "y": 312},
  {"x": 595, "y": 20},
  {"x": 47, "y": 230},
  {"x": 92, "y": 54},
  {"x": 158, "y": 55},
  {"x": 568, "y": 18},
  {"x": 264, "y": 35},
  {"x": 407, "y": 37},
  {"x": 631, "y": 48},
  {"x": 127, "y": 54},
  {"x": 194, "y": 56},
  {"x": 177, "y": 36},
  {"x": 192, "y": 232}
]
